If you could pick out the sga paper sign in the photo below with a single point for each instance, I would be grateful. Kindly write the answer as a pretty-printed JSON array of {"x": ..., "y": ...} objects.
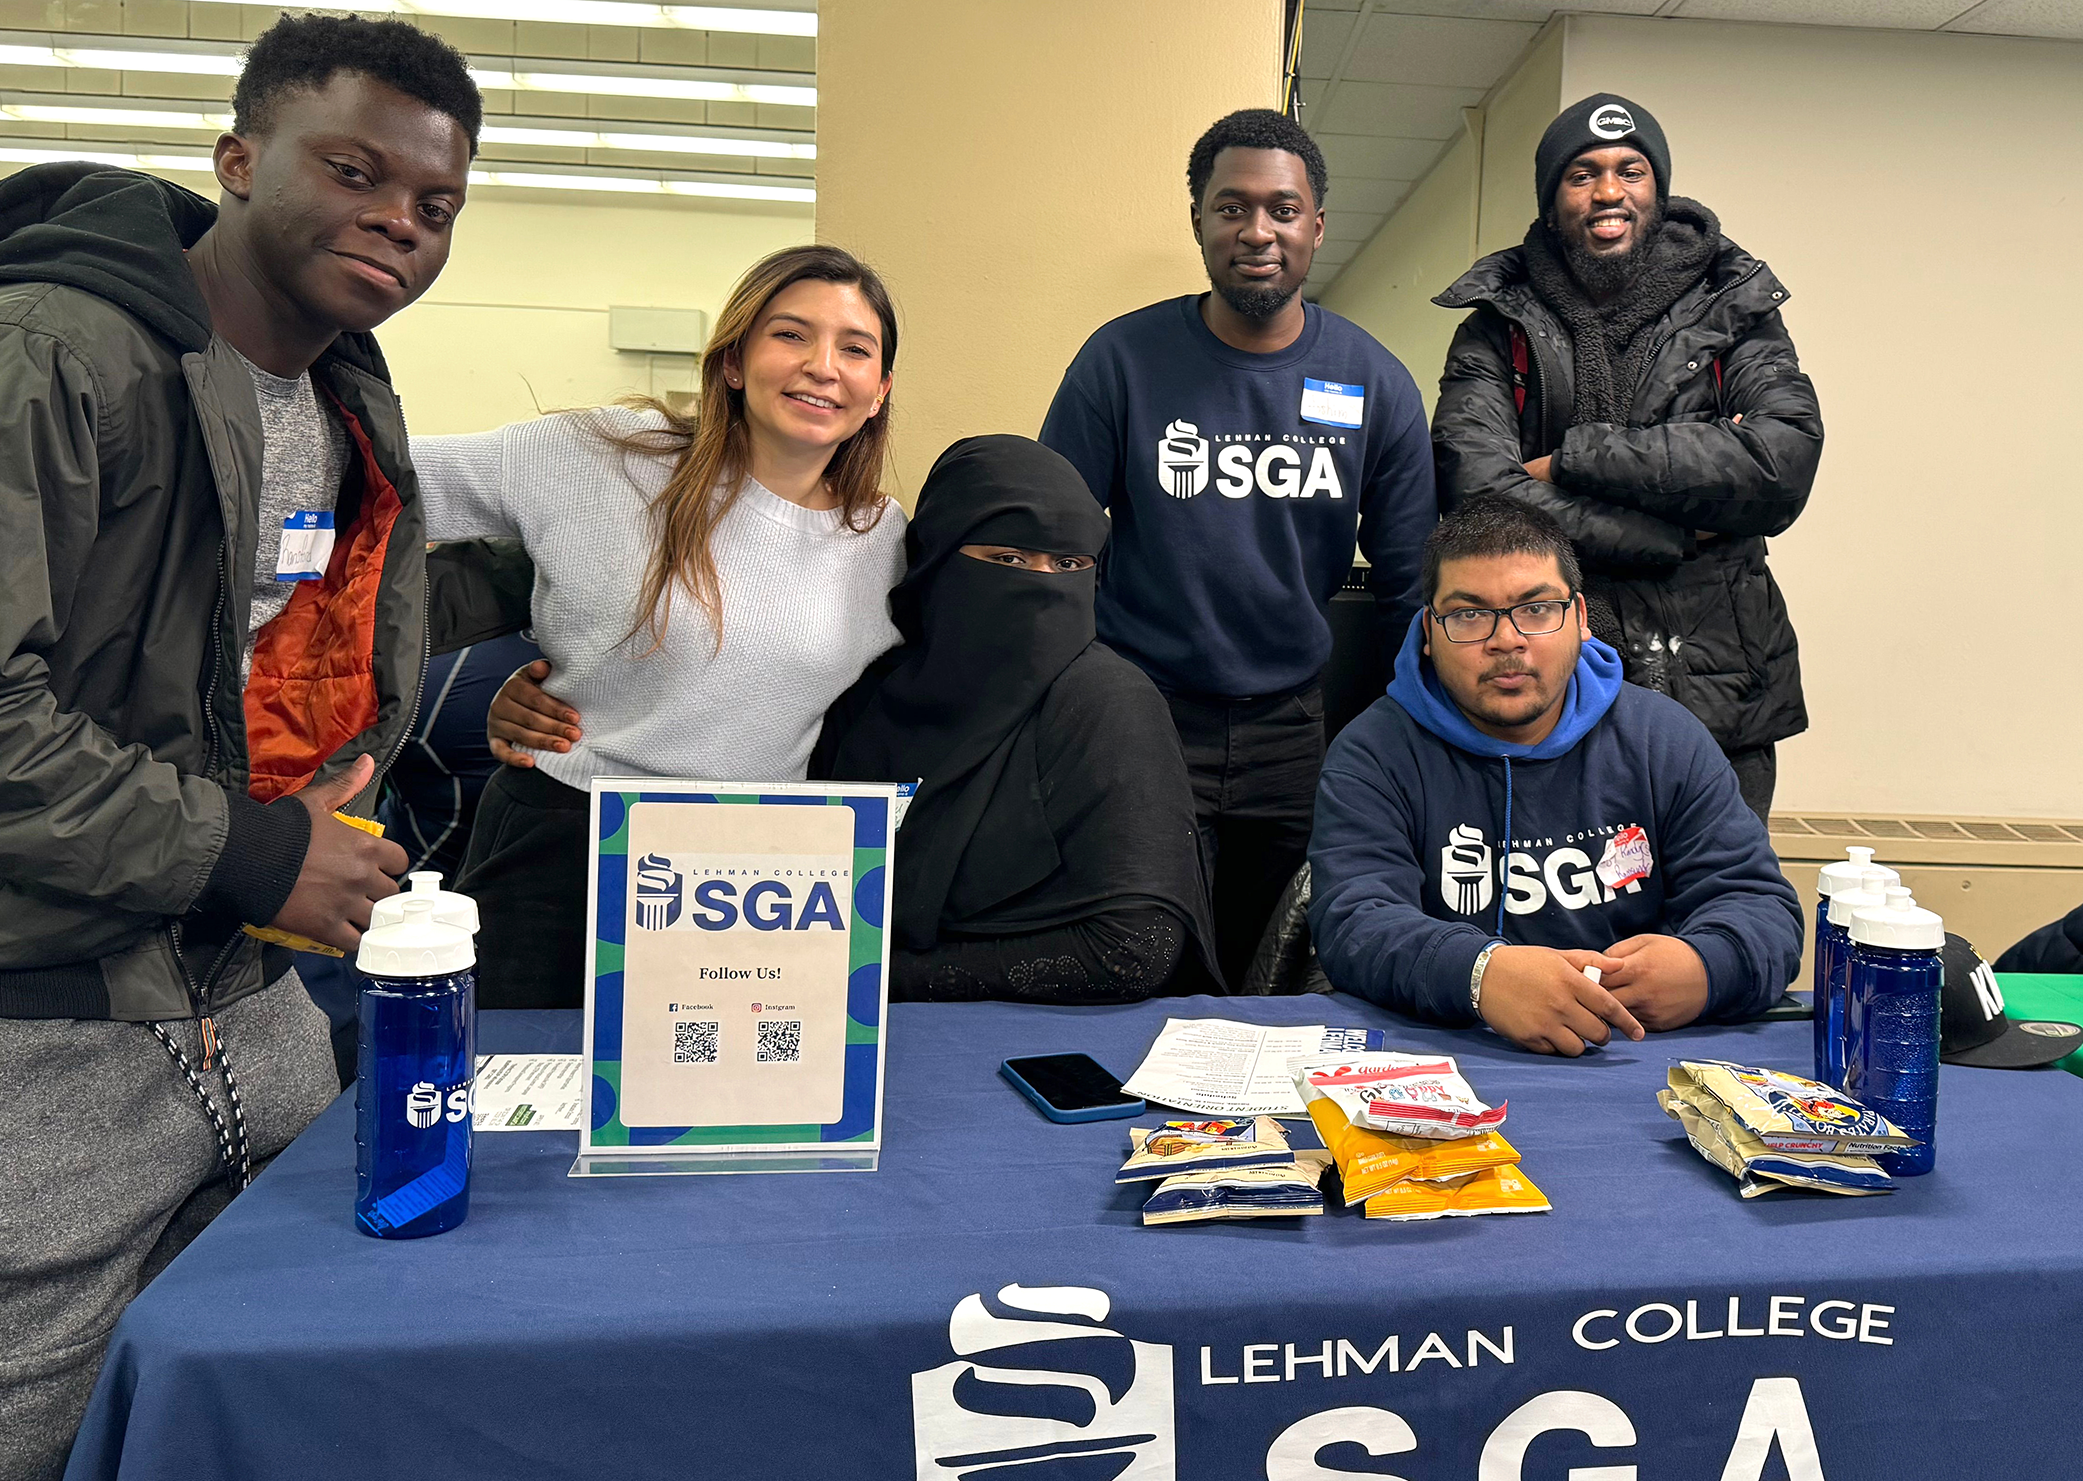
[{"x": 737, "y": 966}]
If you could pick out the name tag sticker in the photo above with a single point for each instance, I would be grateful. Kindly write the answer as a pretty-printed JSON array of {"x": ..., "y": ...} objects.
[
  {"x": 905, "y": 792},
  {"x": 1627, "y": 858},
  {"x": 307, "y": 546},
  {"x": 1331, "y": 404}
]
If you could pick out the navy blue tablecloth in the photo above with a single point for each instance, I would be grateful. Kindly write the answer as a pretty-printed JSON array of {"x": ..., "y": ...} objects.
[{"x": 987, "y": 1305}]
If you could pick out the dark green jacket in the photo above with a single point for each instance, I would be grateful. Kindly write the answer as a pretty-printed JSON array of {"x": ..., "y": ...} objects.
[{"x": 130, "y": 470}]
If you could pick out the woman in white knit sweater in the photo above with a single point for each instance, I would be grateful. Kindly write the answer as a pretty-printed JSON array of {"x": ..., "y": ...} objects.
[{"x": 704, "y": 586}]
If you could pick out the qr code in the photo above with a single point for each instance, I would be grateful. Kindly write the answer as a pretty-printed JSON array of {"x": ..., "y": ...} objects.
[
  {"x": 780, "y": 1041},
  {"x": 694, "y": 1040}
]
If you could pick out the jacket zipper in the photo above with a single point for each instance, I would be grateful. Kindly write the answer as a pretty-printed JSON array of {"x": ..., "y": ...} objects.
[
  {"x": 1705, "y": 304},
  {"x": 419, "y": 698},
  {"x": 426, "y": 637}
]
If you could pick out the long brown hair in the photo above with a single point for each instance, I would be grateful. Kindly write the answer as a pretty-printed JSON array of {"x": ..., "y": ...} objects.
[{"x": 713, "y": 443}]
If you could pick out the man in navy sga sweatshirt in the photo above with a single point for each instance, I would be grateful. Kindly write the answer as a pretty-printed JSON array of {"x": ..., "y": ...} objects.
[
  {"x": 1512, "y": 814},
  {"x": 1242, "y": 439}
]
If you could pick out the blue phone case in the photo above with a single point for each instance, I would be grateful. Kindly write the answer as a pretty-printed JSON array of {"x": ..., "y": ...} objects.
[{"x": 1091, "y": 1113}]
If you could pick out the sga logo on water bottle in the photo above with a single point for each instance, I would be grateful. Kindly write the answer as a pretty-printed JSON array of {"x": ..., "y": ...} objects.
[{"x": 423, "y": 1103}]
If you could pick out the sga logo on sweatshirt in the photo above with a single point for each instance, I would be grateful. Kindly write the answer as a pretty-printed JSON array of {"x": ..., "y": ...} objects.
[
  {"x": 1273, "y": 466},
  {"x": 1566, "y": 876}
]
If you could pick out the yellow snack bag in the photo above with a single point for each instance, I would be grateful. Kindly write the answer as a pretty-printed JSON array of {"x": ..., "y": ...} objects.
[
  {"x": 295, "y": 942},
  {"x": 1369, "y": 1161},
  {"x": 1495, "y": 1190}
]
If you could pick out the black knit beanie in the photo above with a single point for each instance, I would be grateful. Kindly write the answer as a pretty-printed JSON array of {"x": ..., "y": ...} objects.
[{"x": 1600, "y": 121}]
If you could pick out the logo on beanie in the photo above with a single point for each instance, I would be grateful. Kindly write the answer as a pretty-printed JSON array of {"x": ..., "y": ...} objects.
[
  {"x": 1611, "y": 121},
  {"x": 1182, "y": 460}
]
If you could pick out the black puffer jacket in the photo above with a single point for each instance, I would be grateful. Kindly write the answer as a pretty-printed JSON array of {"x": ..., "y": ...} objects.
[{"x": 1699, "y": 619}]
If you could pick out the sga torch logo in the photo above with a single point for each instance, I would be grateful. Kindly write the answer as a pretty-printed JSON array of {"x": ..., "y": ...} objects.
[
  {"x": 658, "y": 887},
  {"x": 423, "y": 1103},
  {"x": 1464, "y": 871},
  {"x": 1182, "y": 460},
  {"x": 992, "y": 1412}
]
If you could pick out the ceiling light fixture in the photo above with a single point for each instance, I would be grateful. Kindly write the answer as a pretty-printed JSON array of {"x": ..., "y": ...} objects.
[
  {"x": 537, "y": 178},
  {"x": 141, "y": 118},
  {"x": 538, "y": 133},
  {"x": 606, "y": 79},
  {"x": 653, "y": 83},
  {"x": 195, "y": 63},
  {"x": 737, "y": 19}
]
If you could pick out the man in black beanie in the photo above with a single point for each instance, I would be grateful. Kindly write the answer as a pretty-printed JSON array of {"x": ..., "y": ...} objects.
[{"x": 1626, "y": 369}]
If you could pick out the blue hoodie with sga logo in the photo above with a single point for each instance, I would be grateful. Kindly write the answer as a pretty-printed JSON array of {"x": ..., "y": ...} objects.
[{"x": 1410, "y": 880}]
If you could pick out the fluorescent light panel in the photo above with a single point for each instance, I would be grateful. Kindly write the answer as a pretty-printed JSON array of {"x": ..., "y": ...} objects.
[
  {"x": 139, "y": 118},
  {"x": 538, "y": 178},
  {"x": 541, "y": 133},
  {"x": 193, "y": 58},
  {"x": 738, "y": 19},
  {"x": 204, "y": 64},
  {"x": 603, "y": 84}
]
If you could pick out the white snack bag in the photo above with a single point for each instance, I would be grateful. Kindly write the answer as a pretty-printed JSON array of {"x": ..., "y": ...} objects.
[{"x": 1409, "y": 1094}]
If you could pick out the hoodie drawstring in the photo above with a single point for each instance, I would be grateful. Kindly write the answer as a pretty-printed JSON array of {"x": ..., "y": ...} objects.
[{"x": 1504, "y": 844}]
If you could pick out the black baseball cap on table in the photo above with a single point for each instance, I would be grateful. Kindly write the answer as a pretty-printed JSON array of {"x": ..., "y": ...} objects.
[{"x": 1973, "y": 1029}]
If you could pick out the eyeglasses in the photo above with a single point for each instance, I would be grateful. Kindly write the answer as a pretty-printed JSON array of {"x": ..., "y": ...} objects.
[{"x": 1532, "y": 619}]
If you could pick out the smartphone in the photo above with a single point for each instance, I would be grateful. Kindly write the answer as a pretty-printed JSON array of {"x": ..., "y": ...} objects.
[{"x": 1070, "y": 1087}]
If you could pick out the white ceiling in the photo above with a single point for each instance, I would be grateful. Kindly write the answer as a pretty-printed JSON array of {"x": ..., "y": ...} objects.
[{"x": 1384, "y": 81}]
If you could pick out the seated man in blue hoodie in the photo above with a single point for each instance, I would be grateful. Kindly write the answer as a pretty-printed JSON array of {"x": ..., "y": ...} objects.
[{"x": 1513, "y": 814}]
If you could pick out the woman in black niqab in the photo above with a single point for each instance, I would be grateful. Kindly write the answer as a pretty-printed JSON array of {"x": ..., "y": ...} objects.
[{"x": 1049, "y": 854}]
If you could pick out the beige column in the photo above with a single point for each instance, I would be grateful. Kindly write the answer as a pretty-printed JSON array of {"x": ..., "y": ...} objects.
[{"x": 1017, "y": 173}]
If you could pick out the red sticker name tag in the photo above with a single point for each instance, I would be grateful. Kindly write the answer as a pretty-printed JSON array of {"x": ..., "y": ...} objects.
[{"x": 1627, "y": 858}]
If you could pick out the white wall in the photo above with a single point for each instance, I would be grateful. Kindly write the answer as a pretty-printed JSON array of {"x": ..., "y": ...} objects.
[
  {"x": 1919, "y": 196},
  {"x": 519, "y": 320},
  {"x": 1476, "y": 199}
]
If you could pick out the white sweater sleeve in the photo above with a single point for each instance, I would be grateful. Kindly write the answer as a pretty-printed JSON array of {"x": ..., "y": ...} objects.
[{"x": 462, "y": 482}]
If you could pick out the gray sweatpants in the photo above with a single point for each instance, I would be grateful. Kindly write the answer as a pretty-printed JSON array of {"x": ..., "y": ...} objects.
[{"x": 112, "y": 1168}]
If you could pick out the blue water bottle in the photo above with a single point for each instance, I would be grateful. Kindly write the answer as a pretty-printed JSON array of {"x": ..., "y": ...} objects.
[
  {"x": 1833, "y": 964},
  {"x": 1892, "y": 1022},
  {"x": 416, "y": 1070}
]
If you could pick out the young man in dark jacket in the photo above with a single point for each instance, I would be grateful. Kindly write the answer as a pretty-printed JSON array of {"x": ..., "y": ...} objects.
[
  {"x": 1626, "y": 370},
  {"x": 1243, "y": 439},
  {"x": 212, "y": 629},
  {"x": 1513, "y": 814}
]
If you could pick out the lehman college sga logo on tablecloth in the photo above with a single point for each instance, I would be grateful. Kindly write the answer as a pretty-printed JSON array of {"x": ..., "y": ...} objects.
[{"x": 1044, "y": 1384}]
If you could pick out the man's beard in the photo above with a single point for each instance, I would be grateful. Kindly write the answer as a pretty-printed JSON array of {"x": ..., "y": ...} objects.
[
  {"x": 1603, "y": 275},
  {"x": 1255, "y": 301}
]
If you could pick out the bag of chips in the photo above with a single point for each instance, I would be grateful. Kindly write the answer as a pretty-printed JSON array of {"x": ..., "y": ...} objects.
[
  {"x": 1280, "y": 1190},
  {"x": 1195, "y": 1146},
  {"x": 1411, "y": 1094},
  {"x": 1719, "y": 1136},
  {"x": 1369, "y": 1161},
  {"x": 1788, "y": 1113},
  {"x": 1495, "y": 1190}
]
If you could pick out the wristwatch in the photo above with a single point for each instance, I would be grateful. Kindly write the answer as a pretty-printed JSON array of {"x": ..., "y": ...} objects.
[{"x": 1475, "y": 977}]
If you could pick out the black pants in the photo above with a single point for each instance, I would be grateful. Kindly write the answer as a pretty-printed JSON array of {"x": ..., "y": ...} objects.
[
  {"x": 1757, "y": 773},
  {"x": 527, "y": 871},
  {"x": 1253, "y": 764}
]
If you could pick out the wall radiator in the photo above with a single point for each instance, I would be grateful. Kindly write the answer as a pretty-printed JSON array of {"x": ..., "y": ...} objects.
[{"x": 1993, "y": 879}]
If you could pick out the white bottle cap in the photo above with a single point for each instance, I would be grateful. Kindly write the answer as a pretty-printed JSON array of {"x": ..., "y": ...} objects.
[
  {"x": 450, "y": 908},
  {"x": 1870, "y": 891},
  {"x": 1845, "y": 874},
  {"x": 416, "y": 946},
  {"x": 1899, "y": 923}
]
